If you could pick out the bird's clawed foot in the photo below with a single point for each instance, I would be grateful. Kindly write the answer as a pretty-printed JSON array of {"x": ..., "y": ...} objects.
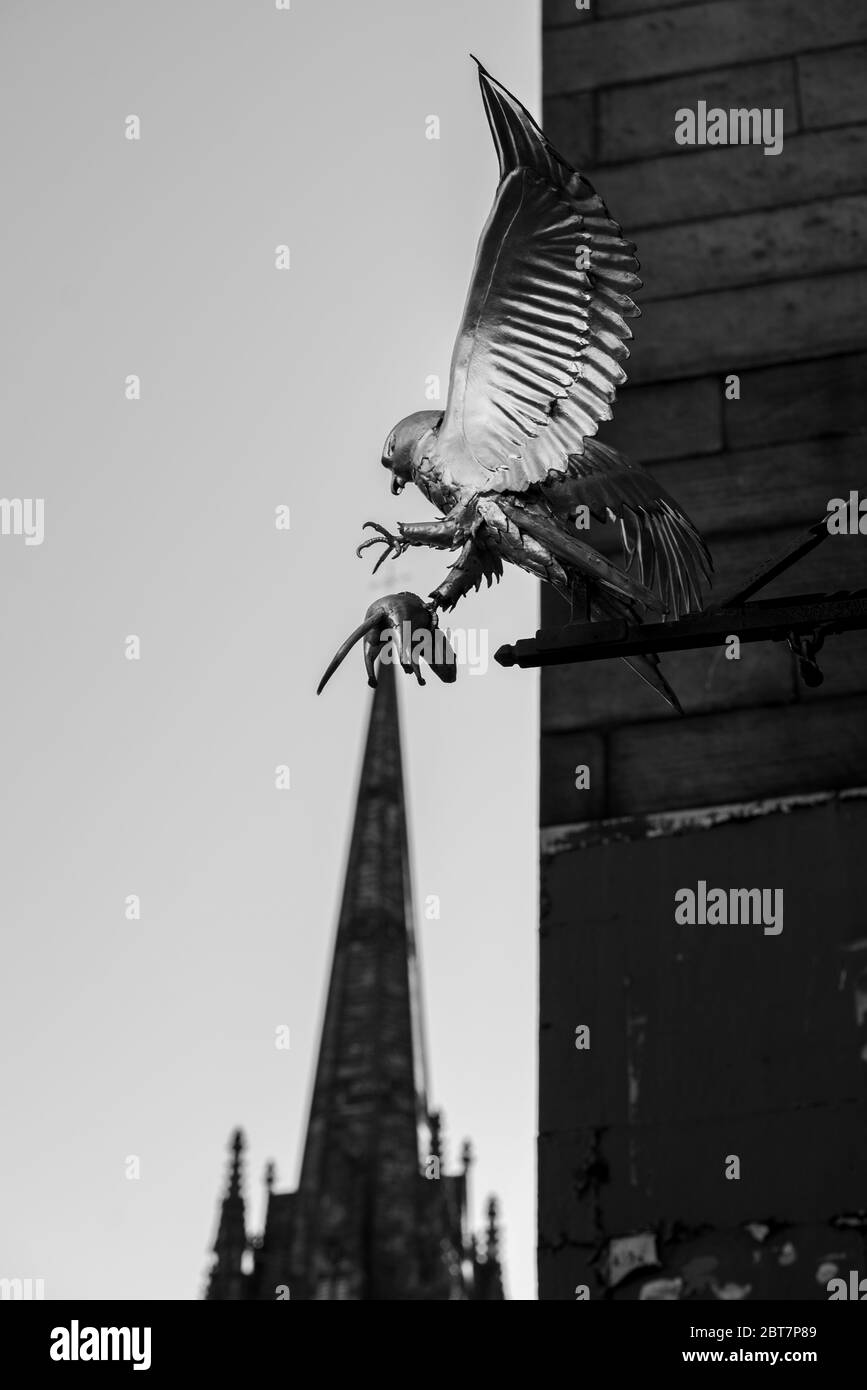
[
  {"x": 394, "y": 545},
  {"x": 400, "y": 628}
]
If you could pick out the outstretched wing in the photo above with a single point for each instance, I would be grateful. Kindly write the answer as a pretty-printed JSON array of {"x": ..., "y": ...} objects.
[
  {"x": 538, "y": 356},
  {"x": 659, "y": 540}
]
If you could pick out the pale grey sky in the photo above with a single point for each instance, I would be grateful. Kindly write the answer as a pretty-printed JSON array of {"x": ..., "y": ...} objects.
[{"x": 259, "y": 387}]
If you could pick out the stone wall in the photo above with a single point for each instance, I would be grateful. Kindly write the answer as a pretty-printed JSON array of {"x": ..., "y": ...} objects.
[{"x": 711, "y": 1041}]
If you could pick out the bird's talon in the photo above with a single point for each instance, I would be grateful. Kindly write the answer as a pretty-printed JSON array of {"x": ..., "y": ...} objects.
[{"x": 394, "y": 545}]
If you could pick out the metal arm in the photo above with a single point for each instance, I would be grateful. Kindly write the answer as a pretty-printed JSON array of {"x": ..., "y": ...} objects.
[{"x": 441, "y": 535}]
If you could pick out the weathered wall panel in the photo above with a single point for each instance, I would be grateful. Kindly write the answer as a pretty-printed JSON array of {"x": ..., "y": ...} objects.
[
  {"x": 657, "y": 193},
  {"x": 754, "y": 248},
  {"x": 738, "y": 756},
  {"x": 705, "y": 1041},
  {"x": 671, "y": 39},
  {"x": 798, "y": 318},
  {"x": 833, "y": 90},
  {"x": 799, "y": 402},
  {"x": 636, "y": 122}
]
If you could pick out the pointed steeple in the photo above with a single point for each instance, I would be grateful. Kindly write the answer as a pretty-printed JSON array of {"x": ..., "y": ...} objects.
[
  {"x": 489, "y": 1270},
  {"x": 358, "y": 1197},
  {"x": 492, "y": 1244},
  {"x": 435, "y": 1127},
  {"x": 366, "y": 1222},
  {"x": 227, "y": 1276}
]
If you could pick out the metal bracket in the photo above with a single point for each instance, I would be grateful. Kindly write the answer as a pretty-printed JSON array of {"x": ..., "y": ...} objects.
[
  {"x": 801, "y": 620},
  {"x": 805, "y": 648}
]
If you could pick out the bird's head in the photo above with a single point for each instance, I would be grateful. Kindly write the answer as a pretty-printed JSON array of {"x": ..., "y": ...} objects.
[{"x": 405, "y": 447}]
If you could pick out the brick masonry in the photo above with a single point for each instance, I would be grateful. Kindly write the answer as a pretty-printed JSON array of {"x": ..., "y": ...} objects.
[{"x": 754, "y": 265}]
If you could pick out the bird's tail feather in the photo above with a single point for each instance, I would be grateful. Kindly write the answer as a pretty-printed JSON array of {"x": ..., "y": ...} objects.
[
  {"x": 613, "y": 594},
  {"x": 647, "y": 667},
  {"x": 562, "y": 541}
]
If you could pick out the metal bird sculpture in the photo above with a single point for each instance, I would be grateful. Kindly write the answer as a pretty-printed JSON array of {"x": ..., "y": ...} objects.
[{"x": 512, "y": 464}]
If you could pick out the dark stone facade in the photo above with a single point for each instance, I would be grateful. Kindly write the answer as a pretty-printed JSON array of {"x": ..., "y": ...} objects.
[{"x": 714, "y": 1041}]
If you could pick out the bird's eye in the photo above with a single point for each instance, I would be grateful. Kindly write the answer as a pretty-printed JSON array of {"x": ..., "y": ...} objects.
[{"x": 389, "y": 448}]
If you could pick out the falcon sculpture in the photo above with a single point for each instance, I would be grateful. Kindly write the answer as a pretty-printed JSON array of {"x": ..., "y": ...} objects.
[{"x": 512, "y": 463}]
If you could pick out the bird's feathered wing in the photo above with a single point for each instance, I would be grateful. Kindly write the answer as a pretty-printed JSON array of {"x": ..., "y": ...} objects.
[
  {"x": 537, "y": 359},
  {"x": 539, "y": 354}
]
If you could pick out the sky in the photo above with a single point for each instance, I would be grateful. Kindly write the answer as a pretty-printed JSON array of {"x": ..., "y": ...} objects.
[{"x": 133, "y": 1046}]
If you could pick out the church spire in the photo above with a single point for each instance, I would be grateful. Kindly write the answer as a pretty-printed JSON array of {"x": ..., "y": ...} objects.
[
  {"x": 227, "y": 1276},
  {"x": 358, "y": 1195},
  {"x": 492, "y": 1245},
  {"x": 372, "y": 1218},
  {"x": 489, "y": 1270}
]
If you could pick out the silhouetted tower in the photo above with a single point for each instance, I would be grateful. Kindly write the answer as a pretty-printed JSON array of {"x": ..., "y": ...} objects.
[
  {"x": 227, "y": 1275},
  {"x": 490, "y": 1277},
  {"x": 370, "y": 1220}
]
